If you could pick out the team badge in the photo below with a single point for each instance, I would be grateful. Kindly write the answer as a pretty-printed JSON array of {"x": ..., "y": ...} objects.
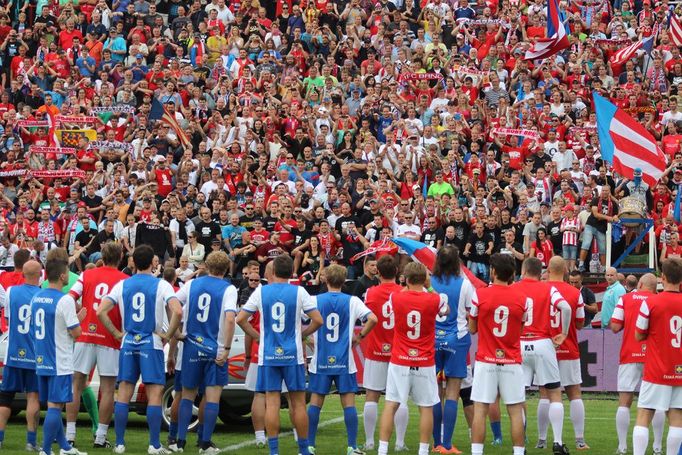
[
  {"x": 644, "y": 348},
  {"x": 279, "y": 350},
  {"x": 22, "y": 352},
  {"x": 137, "y": 337},
  {"x": 39, "y": 359},
  {"x": 386, "y": 347},
  {"x": 92, "y": 327},
  {"x": 441, "y": 332},
  {"x": 200, "y": 340},
  {"x": 678, "y": 369},
  {"x": 499, "y": 353},
  {"x": 413, "y": 352},
  {"x": 331, "y": 359}
]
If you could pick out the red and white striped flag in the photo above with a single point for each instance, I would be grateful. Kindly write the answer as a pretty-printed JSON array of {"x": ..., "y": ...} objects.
[
  {"x": 675, "y": 30},
  {"x": 625, "y": 54},
  {"x": 557, "y": 38}
]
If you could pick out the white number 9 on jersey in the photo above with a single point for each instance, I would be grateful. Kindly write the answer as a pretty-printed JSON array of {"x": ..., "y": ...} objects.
[
  {"x": 676, "y": 330},
  {"x": 501, "y": 318},
  {"x": 278, "y": 321}
]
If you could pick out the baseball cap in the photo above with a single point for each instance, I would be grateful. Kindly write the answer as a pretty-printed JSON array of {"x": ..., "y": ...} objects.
[
  {"x": 569, "y": 208},
  {"x": 139, "y": 56}
]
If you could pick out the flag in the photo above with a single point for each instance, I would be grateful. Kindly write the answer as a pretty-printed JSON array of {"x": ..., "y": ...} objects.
[
  {"x": 426, "y": 255},
  {"x": 626, "y": 144},
  {"x": 159, "y": 112},
  {"x": 625, "y": 54},
  {"x": 678, "y": 202},
  {"x": 380, "y": 246},
  {"x": 675, "y": 29},
  {"x": 557, "y": 38}
]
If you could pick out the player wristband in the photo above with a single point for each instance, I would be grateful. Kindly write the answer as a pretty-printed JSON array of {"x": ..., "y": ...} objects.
[
  {"x": 247, "y": 357},
  {"x": 227, "y": 348}
]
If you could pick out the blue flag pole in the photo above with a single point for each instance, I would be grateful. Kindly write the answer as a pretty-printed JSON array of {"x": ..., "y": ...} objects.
[{"x": 678, "y": 202}]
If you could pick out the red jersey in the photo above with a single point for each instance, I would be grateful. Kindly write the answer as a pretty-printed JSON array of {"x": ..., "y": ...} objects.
[
  {"x": 377, "y": 345},
  {"x": 500, "y": 313},
  {"x": 91, "y": 287},
  {"x": 660, "y": 316},
  {"x": 164, "y": 179},
  {"x": 254, "y": 320},
  {"x": 625, "y": 313},
  {"x": 544, "y": 301},
  {"x": 414, "y": 336},
  {"x": 8, "y": 279},
  {"x": 569, "y": 349}
]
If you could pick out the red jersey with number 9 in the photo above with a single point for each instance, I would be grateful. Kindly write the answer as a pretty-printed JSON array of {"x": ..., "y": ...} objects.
[
  {"x": 91, "y": 287},
  {"x": 414, "y": 337},
  {"x": 660, "y": 317},
  {"x": 378, "y": 343},
  {"x": 500, "y": 312},
  {"x": 569, "y": 349},
  {"x": 545, "y": 298}
]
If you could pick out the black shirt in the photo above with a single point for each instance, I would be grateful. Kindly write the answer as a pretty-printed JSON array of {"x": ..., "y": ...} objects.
[
  {"x": 462, "y": 229},
  {"x": 206, "y": 232},
  {"x": 84, "y": 237},
  {"x": 479, "y": 245},
  {"x": 555, "y": 235},
  {"x": 431, "y": 237},
  {"x": 605, "y": 207}
]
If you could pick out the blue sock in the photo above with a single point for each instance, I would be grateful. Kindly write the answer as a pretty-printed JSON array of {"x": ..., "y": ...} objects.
[
  {"x": 200, "y": 430},
  {"x": 496, "y": 428},
  {"x": 120, "y": 422},
  {"x": 350, "y": 416},
  {"x": 2, "y": 435},
  {"x": 184, "y": 418},
  {"x": 437, "y": 420},
  {"x": 61, "y": 437},
  {"x": 31, "y": 437},
  {"x": 303, "y": 446},
  {"x": 313, "y": 421},
  {"x": 273, "y": 443},
  {"x": 449, "y": 421},
  {"x": 173, "y": 430},
  {"x": 154, "y": 424},
  {"x": 210, "y": 419},
  {"x": 53, "y": 419}
]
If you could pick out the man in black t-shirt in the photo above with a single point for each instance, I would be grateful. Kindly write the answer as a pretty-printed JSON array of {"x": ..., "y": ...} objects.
[
  {"x": 478, "y": 249},
  {"x": 207, "y": 229},
  {"x": 604, "y": 210},
  {"x": 301, "y": 242},
  {"x": 433, "y": 235}
]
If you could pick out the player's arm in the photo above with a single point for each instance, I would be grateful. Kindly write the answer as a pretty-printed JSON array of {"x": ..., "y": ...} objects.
[
  {"x": 566, "y": 313},
  {"x": 366, "y": 315},
  {"x": 250, "y": 307},
  {"x": 473, "y": 314},
  {"x": 175, "y": 308},
  {"x": 172, "y": 354},
  {"x": 616, "y": 323},
  {"x": 642, "y": 327},
  {"x": 314, "y": 323},
  {"x": 230, "y": 309},
  {"x": 105, "y": 306},
  {"x": 443, "y": 307}
]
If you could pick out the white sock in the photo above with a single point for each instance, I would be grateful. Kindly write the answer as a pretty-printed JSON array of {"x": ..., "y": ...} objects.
[
  {"x": 543, "y": 418},
  {"x": 70, "y": 431},
  {"x": 370, "y": 421},
  {"x": 383, "y": 448},
  {"x": 101, "y": 434},
  {"x": 260, "y": 435},
  {"x": 556, "y": 418},
  {"x": 640, "y": 440},
  {"x": 402, "y": 417},
  {"x": 519, "y": 450},
  {"x": 476, "y": 449},
  {"x": 295, "y": 435},
  {"x": 657, "y": 423},
  {"x": 674, "y": 440},
  {"x": 424, "y": 448},
  {"x": 578, "y": 418},
  {"x": 622, "y": 427}
]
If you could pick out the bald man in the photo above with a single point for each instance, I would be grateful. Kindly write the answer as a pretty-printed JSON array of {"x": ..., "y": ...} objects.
[
  {"x": 631, "y": 363},
  {"x": 19, "y": 374},
  {"x": 614, "y": 291}
]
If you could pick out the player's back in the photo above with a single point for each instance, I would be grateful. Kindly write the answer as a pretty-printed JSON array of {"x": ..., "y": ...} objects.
[
  {"x": 91, "y": 287},
  {"x": 459, "y": 292},
  {"x": 333, "y": 340},
  {"x": 206, "y": 300},
  {"x": 20, "y": 352},
  {"x": 52, "y": 313},
  {"x": 377, "y": 344},
  {"x": 626, "y": 313},
  {"x": 663, "y": 364},
  {"x": 499, "y": 311},
  {"x": 415, "y": 326},
  {"x": 543, "y": 296},
  {"x": 569, "y": 348}
]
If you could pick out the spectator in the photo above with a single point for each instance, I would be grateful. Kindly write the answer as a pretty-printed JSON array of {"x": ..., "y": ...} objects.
[{"x": 613, "y": 292}]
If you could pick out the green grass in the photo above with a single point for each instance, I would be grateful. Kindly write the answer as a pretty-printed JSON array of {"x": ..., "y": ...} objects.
[{"x": 600, "y": 432}]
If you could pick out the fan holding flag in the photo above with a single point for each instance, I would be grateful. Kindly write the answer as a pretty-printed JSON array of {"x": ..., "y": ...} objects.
[{"x": 557, "y": 36}]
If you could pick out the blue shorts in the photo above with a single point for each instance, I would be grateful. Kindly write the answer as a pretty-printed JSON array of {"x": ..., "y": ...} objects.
[
  {"x": 201, "y": 370},
  {"x": 55, "y": 389},
  {"x": 270, "y": 378},
  {"x": 451, "y": 356},
  {"x": 148, "y": 364},
  {"x": 569, "y": 252},
  {"x": 16, "y": 379},
  {"x": 321, "y": 384},
  {"x": 177, "y": 384}
]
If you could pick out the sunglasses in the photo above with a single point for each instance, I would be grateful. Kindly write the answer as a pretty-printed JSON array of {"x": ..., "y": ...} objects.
[{"x": 253, "y": 281}]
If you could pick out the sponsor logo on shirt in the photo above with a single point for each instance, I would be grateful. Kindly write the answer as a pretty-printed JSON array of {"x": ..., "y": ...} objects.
[
  {"x": 413, "y": 352},
  {"x": 92, "y": 327},
  {"x": 386, "y": 347},
  {"x": 39, "y": 359},
  {"x": 331, "y": 359},
  {"x": 499, "y": 353},
  {"x": 678, "y": 369},
  {"x": 279, "y": 350},
  {"x": 22, "y": 352}
]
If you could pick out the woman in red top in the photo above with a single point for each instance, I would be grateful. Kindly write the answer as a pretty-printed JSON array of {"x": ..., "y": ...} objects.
[{"x": 542, "y": 248}]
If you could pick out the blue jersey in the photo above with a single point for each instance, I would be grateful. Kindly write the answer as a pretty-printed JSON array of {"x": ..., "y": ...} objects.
[
  {"x": 53, "y": 314},
  {"x": 460, "y": 291},
  {"x": 20, "y": 353},
  {"x": 205, "y": 301},
  {"x": 334, "y": 340},
  {"x": 142, "y": 299},
  {"x": 281, "y": 306}
]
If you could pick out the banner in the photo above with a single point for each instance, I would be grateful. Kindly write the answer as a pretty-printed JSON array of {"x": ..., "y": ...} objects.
[
  {"x": 33, "y": 123},
  {"x": 639, "y": 109},
  {"x": 583, "y": 129},
  {"x": 483, "y": 22},
  {"x": 532, "y": 134},
  {"x": 59, "y": 173},
  {"x": 115, "y": 145},
  {"x": 470, "y": 71},
  {"x": 49, "y": 150},
  {"x": 122, "y": 109},
  {"x": 75, "y": 119},
  {"x": 616, "y": 42},
  {"x": 13, "y": 173},
  {"x": 70, "y": 138},
  {"x": 420, "y": 77}
]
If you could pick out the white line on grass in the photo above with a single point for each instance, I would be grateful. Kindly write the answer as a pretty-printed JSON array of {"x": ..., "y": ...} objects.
[{"x": 252, "y": 442}]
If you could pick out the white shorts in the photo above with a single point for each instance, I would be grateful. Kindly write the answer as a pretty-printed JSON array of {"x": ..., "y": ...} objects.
[
  {"x": 491, "y": 379},
  {"x": 629, "y": 376},
  {"x": 540, "y": 362},
  {"x": 87, "y": 355},
  {"x": 659, "y": 397},
  {"x": 469, "y": 380},
  {"x": 569, "y": 371},
  {"x": 420, "y": 384},
  {"x": 374, "y": 375},
  {"x": 252, "y": 379}
]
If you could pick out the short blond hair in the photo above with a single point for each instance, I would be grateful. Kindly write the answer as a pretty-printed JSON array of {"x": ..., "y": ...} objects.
[
  {"x": 217, "y": 263},
  {"x": 415, "y": 273},
  {"x": 336, "y": 275}
]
